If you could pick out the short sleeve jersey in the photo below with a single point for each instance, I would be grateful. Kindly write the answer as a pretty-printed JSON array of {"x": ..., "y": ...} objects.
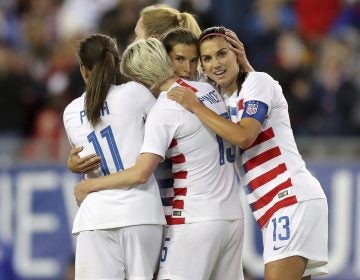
[
  {"x": 272, "y": 171},
  {"x": 117, "y": 139},
  {"x": 205, "y": 186}
]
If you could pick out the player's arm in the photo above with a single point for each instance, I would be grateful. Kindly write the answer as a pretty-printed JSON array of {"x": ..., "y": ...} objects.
[
  {"x": 242, "y": 134},
  {"x": 135, "y": 175},
  {"x": 82, "y": 165}
]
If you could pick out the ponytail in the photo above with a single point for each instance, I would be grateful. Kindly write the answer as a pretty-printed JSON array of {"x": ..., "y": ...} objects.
[
  {"x": 159, "y": 19},
  {"x": 99, "y": 54},
  {"x": 188, "y": 21}
]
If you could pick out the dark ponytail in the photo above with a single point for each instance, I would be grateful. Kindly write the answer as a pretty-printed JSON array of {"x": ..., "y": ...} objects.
[{"x": 99, "y": 54}]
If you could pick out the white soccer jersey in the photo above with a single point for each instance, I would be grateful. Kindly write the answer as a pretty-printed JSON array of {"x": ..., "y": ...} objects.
[
  {"x": 205, "y": 185},
  {"x": 117, "y": 139},
  {"x": 272, "y": 171}
]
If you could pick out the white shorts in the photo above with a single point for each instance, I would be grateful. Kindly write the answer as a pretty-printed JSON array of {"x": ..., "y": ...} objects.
[
  {"x": 123, "y": 253},
  {"x": 299, "y": 230},
  {"x": 205, "y": 250}
]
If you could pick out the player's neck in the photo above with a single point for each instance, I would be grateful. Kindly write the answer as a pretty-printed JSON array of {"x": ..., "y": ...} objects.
[
  {"x": 165, "y": 86},
  {"x": 229, "y": 89}
]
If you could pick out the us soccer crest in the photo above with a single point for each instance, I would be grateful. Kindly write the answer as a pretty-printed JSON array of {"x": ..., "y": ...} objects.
[{"x": 252, "y": 108}]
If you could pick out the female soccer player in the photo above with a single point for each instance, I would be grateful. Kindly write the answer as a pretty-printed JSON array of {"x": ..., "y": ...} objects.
[
  {"x": 119, "y": 232},
  {"x": 182, "y": 46},
  {"x": 288, "y": 203}
]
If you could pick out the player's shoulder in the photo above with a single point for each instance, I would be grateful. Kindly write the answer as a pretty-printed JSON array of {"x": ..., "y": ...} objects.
[
  {"x": 165, "y": 107},
  {"x": 75, "y": 104},
  {"x": 71, "y": 111},
  {"x": 199, "y": 85},
  {"x": 259, "y": 77},
  {"x": 129, "y": 94},
  {"x": 133, "y": 88}
]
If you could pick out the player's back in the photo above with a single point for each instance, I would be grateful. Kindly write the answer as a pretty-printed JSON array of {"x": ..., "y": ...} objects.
[
  {"x": 117, "y": 139},
  {"x": 205, "y": 186}
]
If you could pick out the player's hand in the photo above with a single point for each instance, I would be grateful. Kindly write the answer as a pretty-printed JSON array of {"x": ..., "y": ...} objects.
[
  {"x": 81, "y": 190},
  {"x": 238, "y": 48},
  {"x": 185, "y": 97},
  {"x": 82, "y": 165}
]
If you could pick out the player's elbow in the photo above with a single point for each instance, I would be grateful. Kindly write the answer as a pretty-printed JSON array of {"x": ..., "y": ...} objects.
[
  {"x": 245, "y": 136},
  {"x": 142, "y": 176},
  {"x": 243, "y": 141},
  {"x": 145, "y": 166},
  {"x": 142, "y": 179},
  {"x": 246, "y": 143}
]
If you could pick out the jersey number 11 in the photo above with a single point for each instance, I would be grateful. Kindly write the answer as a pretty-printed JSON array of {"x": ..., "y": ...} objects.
[{"x": 109, "y": 136}]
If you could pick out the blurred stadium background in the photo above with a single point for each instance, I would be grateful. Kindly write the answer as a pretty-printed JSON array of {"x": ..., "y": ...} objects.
[{"x": 312, "y": 47}]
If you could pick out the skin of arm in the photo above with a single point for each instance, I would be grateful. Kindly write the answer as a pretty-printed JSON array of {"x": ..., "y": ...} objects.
[
  {"x": 242, "y": 134},
  {"x": 238, "y": 48},
  {"x": 82, "y": 165},
  {"x": 135, "y": 175}
]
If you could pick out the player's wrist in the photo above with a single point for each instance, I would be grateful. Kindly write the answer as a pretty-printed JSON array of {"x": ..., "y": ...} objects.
[
  {"x": 92, "y": 186},
  {"x": 197, "y": 107}
]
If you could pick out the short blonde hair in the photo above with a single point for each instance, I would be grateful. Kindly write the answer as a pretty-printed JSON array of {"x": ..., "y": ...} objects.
[
  {"x": 159, "y": 19},
  {"x": 147, "y": 61}
]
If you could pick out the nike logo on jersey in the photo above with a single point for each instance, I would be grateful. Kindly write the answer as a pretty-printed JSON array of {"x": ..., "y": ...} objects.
[{"x": 277, "y": 248}]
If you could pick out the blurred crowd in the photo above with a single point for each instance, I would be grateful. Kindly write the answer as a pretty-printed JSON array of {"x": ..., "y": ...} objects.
[{"x": 312, "y": 47}]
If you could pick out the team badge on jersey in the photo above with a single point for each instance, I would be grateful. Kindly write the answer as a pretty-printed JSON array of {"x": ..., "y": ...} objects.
[
  {"x": 255, "y": 109},
  {"x": 252, "y": 108}
]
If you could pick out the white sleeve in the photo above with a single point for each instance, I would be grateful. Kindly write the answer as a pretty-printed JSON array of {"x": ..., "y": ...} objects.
[
  {"x": 259, "y": 87},
  {"x": 67, "y": 120},
  {"x": 160, "y": 127}
]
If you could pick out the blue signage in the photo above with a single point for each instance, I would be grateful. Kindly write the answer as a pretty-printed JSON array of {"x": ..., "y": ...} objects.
[{"x": 37, "y": 207}]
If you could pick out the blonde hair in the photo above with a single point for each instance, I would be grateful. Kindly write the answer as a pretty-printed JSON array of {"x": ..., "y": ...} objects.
[
  {"x": 159, "y": 19},
  {"x": 147, "y": 61}
]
